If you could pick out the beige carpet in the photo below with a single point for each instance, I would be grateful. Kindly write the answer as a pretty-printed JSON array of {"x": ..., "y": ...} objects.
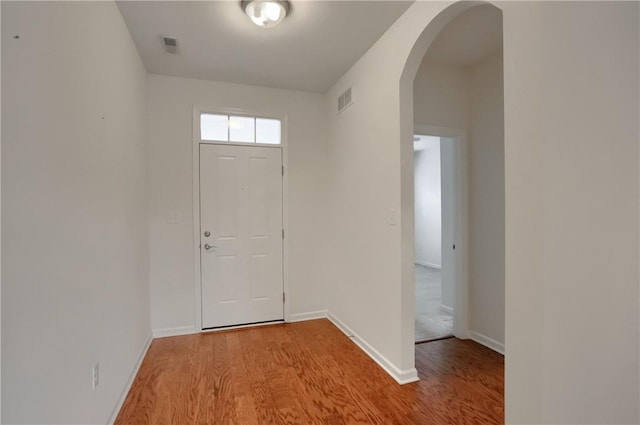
[
  {"x": 428, "y": 328},
  {"x": 430, "y": 321}
]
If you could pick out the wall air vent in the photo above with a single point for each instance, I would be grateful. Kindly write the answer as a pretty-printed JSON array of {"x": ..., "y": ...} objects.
[
  {"x": 170, "y": 44},
  {"x": 345, "y": 100}
]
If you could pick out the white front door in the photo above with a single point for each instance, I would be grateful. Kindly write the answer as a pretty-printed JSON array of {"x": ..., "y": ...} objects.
[{"x": 240, "y": 234}]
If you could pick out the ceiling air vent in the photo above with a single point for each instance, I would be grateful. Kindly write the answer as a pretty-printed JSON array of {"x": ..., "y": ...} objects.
[
  {"x": 170, "y": 44},
  {"x": 345, "y": 100}
]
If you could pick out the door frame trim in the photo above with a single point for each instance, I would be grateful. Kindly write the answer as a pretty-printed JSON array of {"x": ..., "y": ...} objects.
[
  {"x": 461, "y": 223},
  {"x": 195, "y": 146}
]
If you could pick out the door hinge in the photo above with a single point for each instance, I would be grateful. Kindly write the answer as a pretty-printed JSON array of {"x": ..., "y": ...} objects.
[
  {"x": 282, "y": 233},
  {"x": 283, "y": 298},
  {"x": 283, "y": 171}
]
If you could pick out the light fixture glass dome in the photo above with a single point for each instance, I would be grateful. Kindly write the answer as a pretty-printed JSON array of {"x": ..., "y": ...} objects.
[{"x": 266, "y": 13}]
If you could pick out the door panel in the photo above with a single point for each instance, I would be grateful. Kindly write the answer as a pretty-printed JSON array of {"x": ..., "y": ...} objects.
[
  {"x": 241, "y": 207},
  {"x": 227, "y": 201}
]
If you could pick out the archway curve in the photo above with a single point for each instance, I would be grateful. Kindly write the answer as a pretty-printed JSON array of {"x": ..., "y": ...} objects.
[
  {"x": 406, "y": 119},
  {"x": 431, "y": 31}
]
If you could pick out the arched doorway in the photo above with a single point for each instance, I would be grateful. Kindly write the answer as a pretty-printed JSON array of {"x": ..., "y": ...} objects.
[{"x": 463, "y": 327}]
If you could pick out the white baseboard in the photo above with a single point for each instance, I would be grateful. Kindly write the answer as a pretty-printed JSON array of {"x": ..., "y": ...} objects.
[
  {"x": 312, "y": 315},
  {"x": 401, "y": 376},
  {"x": 487, "y": 342},
  {"x": 446, "y": 309},
  {"x": 132, "y": 377},
  {"x": 430, "y": 265},
  {"x": 178, "y": 330}
]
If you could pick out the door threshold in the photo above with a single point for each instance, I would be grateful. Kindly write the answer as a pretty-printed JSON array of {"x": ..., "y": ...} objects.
[
  {"x": 435, "y": 339},
  {"x": 243, "y": 325}
]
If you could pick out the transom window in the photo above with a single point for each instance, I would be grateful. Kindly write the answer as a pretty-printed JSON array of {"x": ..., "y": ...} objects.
[{"x": 240, "y": 129}]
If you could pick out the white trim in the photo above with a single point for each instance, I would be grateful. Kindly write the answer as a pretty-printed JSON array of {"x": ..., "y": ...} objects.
[
  {"x": 401, "y": 376},
  {"x": 438, "y": 131},
  {"x": 254, "y": 145},
  {"x": 446, "y": 309},
  {"x": 430, "y": 265},
  {"x": 197, "y": 322},
  {"x": 132, "y": 377},
  {"x": 461, "y": 303},
  {"x": 487, "y": 342},
  {"x": 312, "y": 315},
  {"x": 285, "y": 216},
  {"x": 175, "y": 331},
  {"x": 250, "y": 325},
  {"x": 197, "y": 110}
]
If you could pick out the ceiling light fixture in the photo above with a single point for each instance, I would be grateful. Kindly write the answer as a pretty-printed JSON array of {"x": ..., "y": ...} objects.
[{"x": 266, "y": 13}]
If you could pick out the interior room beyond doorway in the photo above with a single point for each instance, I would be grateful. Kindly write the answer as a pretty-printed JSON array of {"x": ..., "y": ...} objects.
[{"x": 434, "y": 212}]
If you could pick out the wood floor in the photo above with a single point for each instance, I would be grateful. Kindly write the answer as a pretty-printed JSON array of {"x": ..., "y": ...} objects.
[{"x": 309, "y": 373}]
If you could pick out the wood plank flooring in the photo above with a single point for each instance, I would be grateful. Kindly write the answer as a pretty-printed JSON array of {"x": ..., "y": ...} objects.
[{"x": 309, "y": 373}]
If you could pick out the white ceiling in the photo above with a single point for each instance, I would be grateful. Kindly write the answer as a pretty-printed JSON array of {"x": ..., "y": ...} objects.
[
  {"x": 309, "y": 50},
  {"x": 469, "y": 38}
]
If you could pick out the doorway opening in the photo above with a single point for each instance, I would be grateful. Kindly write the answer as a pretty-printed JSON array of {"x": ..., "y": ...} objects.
[
  {"x": 435, "y": 229},
  {"x": 458, "y": 93},
  {"x": 239, "y": 192}
]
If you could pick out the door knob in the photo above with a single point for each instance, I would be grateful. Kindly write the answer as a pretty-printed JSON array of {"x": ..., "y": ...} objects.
[
  {"x": 208, "y": 247},
  {"x": 207, "y": 234}
]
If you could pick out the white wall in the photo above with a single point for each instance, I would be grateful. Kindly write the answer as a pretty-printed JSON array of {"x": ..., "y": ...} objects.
[
  {"x": 363, "y": 205},
  {"x": 74, "y": 213},
  {"x": 0, "y": 226},
  {"x": 571, "y": 203},
  {"x": 486, "y": 198},
  {"x": 428, "y": 210},
  {"x": 441, "y": 95},
  {"x": 170, "y": 111},
  {"x": 472, "y": 100},
  {"x": 571, "y": 140},
  {"x": 448, "y": 163}
]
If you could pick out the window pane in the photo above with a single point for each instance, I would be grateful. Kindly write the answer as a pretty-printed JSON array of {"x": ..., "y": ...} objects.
[
  {"x": 242, "y": 129},
  {"x": 268, "y": 131},
  {"x": 214, "y": 127}
]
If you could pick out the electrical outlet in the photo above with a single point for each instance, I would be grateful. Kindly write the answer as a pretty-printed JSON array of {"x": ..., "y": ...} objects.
[{"x": 95, "y": 375}]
